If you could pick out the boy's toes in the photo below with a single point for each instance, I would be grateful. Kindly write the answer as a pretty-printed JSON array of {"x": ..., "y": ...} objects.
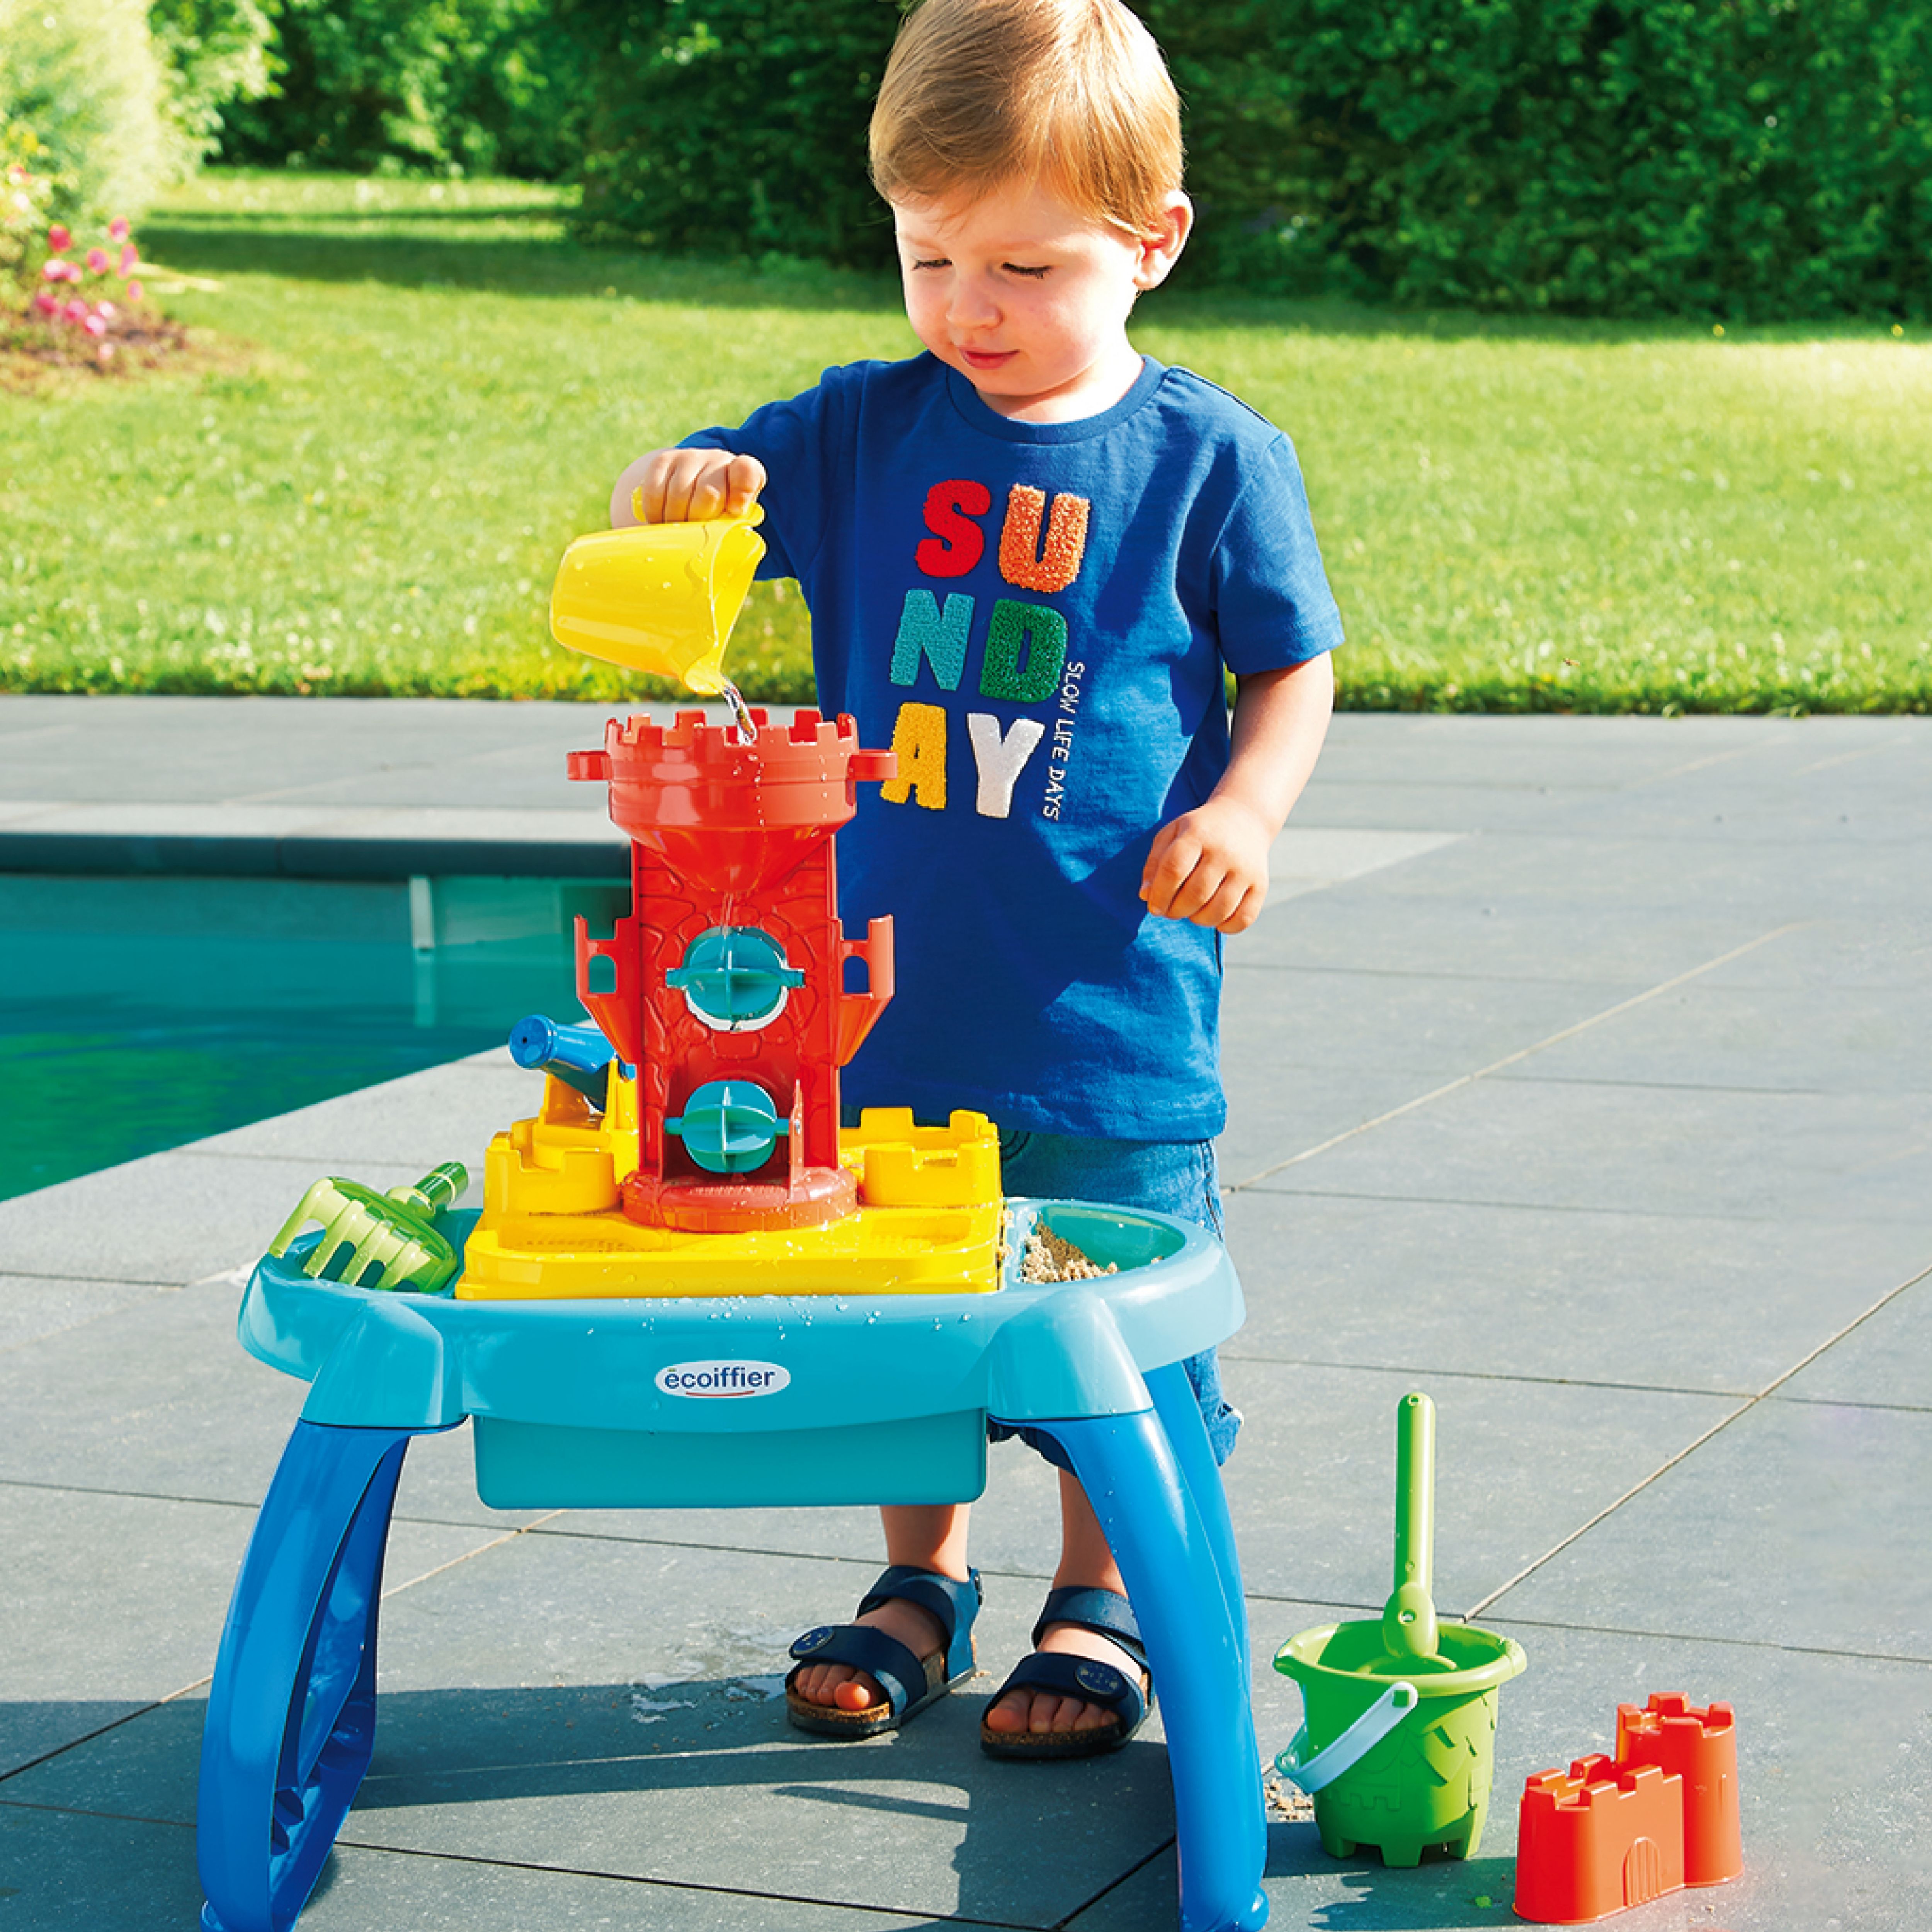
[
  {"x": 1012, "y": 1714},
  {"x": 858, "y": 1693},
  {"x": 839, "y": 1687},
  {"x": 1039, "y": 1711}
]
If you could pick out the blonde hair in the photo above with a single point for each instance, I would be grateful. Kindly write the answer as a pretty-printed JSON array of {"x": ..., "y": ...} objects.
[{"x": 1073, "y": 94}]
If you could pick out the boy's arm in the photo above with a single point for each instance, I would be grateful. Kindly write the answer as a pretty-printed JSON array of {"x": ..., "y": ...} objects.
[
  {"x": 1210, "y": 865},
  {"x": 678, "y": 486}
]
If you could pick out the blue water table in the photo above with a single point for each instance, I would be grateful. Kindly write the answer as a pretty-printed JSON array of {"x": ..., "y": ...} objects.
[{"x": 686, "y": 1162}]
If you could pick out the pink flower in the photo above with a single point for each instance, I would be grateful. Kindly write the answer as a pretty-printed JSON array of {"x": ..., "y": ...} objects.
[
  {"x": 97, "y": 261},
  {"x": 95, "y": 325},
  {"x": 134, "y": 292},
  {"x": 59, "y": 238},
  {"x": 75, "y": 311},
  {"x": 56, "y": 270},
  {"x": 105, "y": 309},
  {"x": 117, "y": 228},
  {"x": 106, "y": 352},
  {"x": 129, "y": 256},
  {"x": 47, "y": 302}
]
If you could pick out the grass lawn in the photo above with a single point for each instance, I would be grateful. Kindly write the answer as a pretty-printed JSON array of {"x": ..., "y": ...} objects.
[{"x": 407, "y": 397}]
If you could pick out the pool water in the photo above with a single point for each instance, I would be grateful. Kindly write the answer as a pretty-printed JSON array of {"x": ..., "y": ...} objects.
[{"x": 138, "y": 1014}]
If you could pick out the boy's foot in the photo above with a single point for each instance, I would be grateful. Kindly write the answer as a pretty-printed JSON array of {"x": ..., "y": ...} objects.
[
  {"x": 1023, "y": 1710},
  {"x": 857, "y": 1680},
  {"x": 839, "y": 1687},
  {"x": 1084, "y": 1688}
]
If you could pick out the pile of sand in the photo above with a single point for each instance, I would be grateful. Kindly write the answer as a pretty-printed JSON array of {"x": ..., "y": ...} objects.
[{"x": 1045, "y": 1256}]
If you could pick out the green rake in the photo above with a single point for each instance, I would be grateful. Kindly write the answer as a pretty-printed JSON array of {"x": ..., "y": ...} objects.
[{"x": 390, "y": 1232}]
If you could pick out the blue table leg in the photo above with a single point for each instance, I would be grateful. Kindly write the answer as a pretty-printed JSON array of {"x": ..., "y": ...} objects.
[
  {"x": 1180, "y": 1415},
  {"x": 1171, "y": 1540},
  {"x": 292, "y": 1711}
]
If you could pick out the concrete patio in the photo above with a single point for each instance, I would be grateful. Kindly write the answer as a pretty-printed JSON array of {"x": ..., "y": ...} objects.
[{"x": 1580, "y": 1073}]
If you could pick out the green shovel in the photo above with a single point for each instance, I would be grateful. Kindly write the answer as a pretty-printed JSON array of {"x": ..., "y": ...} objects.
[{"x": 1408, "y": 1617}]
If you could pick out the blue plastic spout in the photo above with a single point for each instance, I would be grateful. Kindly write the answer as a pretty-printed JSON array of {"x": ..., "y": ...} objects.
[{"x": 578, "y": 1054}]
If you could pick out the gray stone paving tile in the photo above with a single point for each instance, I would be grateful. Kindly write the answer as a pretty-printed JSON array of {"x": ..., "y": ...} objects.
[
  {"x": 1890, "y": 949},
  {"x": 1884, "y": 1360},
  {"x": 111, "y": 1602},
  {"x": 157, "y": 1400},
  {"x": 1447, "y": 1288},
  {"x": 608, "y": 1708},
  {"x": 1562, "y": 753},
  {"x": 418, "y": 750},
  {"x": 1582, "y": 865},
  {"x": 1273, "y": 1115},
  {"x": 1364, "y": 794},
  {"x": 442, "y": 1113},
  {"x": 178, "y": 1216},
  {"x": 1833, "y": 801},
  {"x": 1288, "y": 1020},
  {"x": 431, "y": 752},
  {"x": 1646, "y": 1151},
  {"x": 162, "y": 1400},
  {"x": 72, "y": 1871},
  {"x": 1307, "y": 858},
  {"x": 366, "y": 1888},
  {"x": 1519, "y": 1466},
  {"x": 1492, "y": 935},
  {"x": 611, "y": 1638},
  {"x": 34, "y": 1306},
  {"x": 1835, "y": 1040},
  {"x": 69, "y": 1871},
  {"x": 1800, "y": 1523}
]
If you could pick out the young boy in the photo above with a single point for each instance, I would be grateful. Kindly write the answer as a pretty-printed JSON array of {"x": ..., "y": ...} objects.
[{"x": 1029, "y": 553}]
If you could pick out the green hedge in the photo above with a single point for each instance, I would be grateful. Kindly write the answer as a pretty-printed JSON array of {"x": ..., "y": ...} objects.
[
  {"x": 440, "y": 86},
  {"x": 1755, "y": 159},
  {"x": 736, "y": 127},
  {"x": 1752, "y": 159}
]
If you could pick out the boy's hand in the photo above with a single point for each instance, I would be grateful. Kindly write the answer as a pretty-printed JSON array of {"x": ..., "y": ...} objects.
[
  {"x": 685, "y": 486},
  {"x": 1210, "y": 866}
]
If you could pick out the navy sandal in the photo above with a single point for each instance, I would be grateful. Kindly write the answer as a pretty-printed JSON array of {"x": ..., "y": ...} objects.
[
  {"x": 910, "y": 1683},
  {"x": 1107, "y": 1614}
]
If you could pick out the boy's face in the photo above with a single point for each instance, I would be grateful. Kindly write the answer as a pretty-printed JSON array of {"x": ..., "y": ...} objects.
[{"x": 1028, "y": 299}]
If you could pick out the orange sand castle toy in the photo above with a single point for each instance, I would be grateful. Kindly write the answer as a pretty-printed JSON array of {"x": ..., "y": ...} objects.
[{"x": 1616, "y": 1832}]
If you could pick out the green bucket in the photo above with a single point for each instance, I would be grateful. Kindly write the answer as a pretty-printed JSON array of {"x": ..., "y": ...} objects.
[{"x": 1396, "y": 1753}]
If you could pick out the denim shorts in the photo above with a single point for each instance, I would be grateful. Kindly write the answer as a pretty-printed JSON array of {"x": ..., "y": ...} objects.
[{"x": 1176, "y": 1177}]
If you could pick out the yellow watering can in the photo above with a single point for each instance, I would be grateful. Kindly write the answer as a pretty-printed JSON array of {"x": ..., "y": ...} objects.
[{"x": 659, "y": 598}]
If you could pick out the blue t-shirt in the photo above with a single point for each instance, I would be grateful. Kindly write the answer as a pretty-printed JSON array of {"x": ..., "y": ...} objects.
[{"x": 1036, "y": 617}]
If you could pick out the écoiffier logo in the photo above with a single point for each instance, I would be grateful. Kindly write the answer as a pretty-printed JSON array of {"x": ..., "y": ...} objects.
[{"x": 710, "y": 1382}]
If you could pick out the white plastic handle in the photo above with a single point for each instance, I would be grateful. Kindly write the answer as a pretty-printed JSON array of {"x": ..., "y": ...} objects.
[{"x": 1353, "y": 1745}]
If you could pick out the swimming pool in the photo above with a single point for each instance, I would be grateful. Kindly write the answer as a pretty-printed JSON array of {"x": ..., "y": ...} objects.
[{"x": 136, "y": 1014}]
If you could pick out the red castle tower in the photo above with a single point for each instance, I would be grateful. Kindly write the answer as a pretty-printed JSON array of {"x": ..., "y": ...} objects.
[{"x": 725, "y": 987}]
